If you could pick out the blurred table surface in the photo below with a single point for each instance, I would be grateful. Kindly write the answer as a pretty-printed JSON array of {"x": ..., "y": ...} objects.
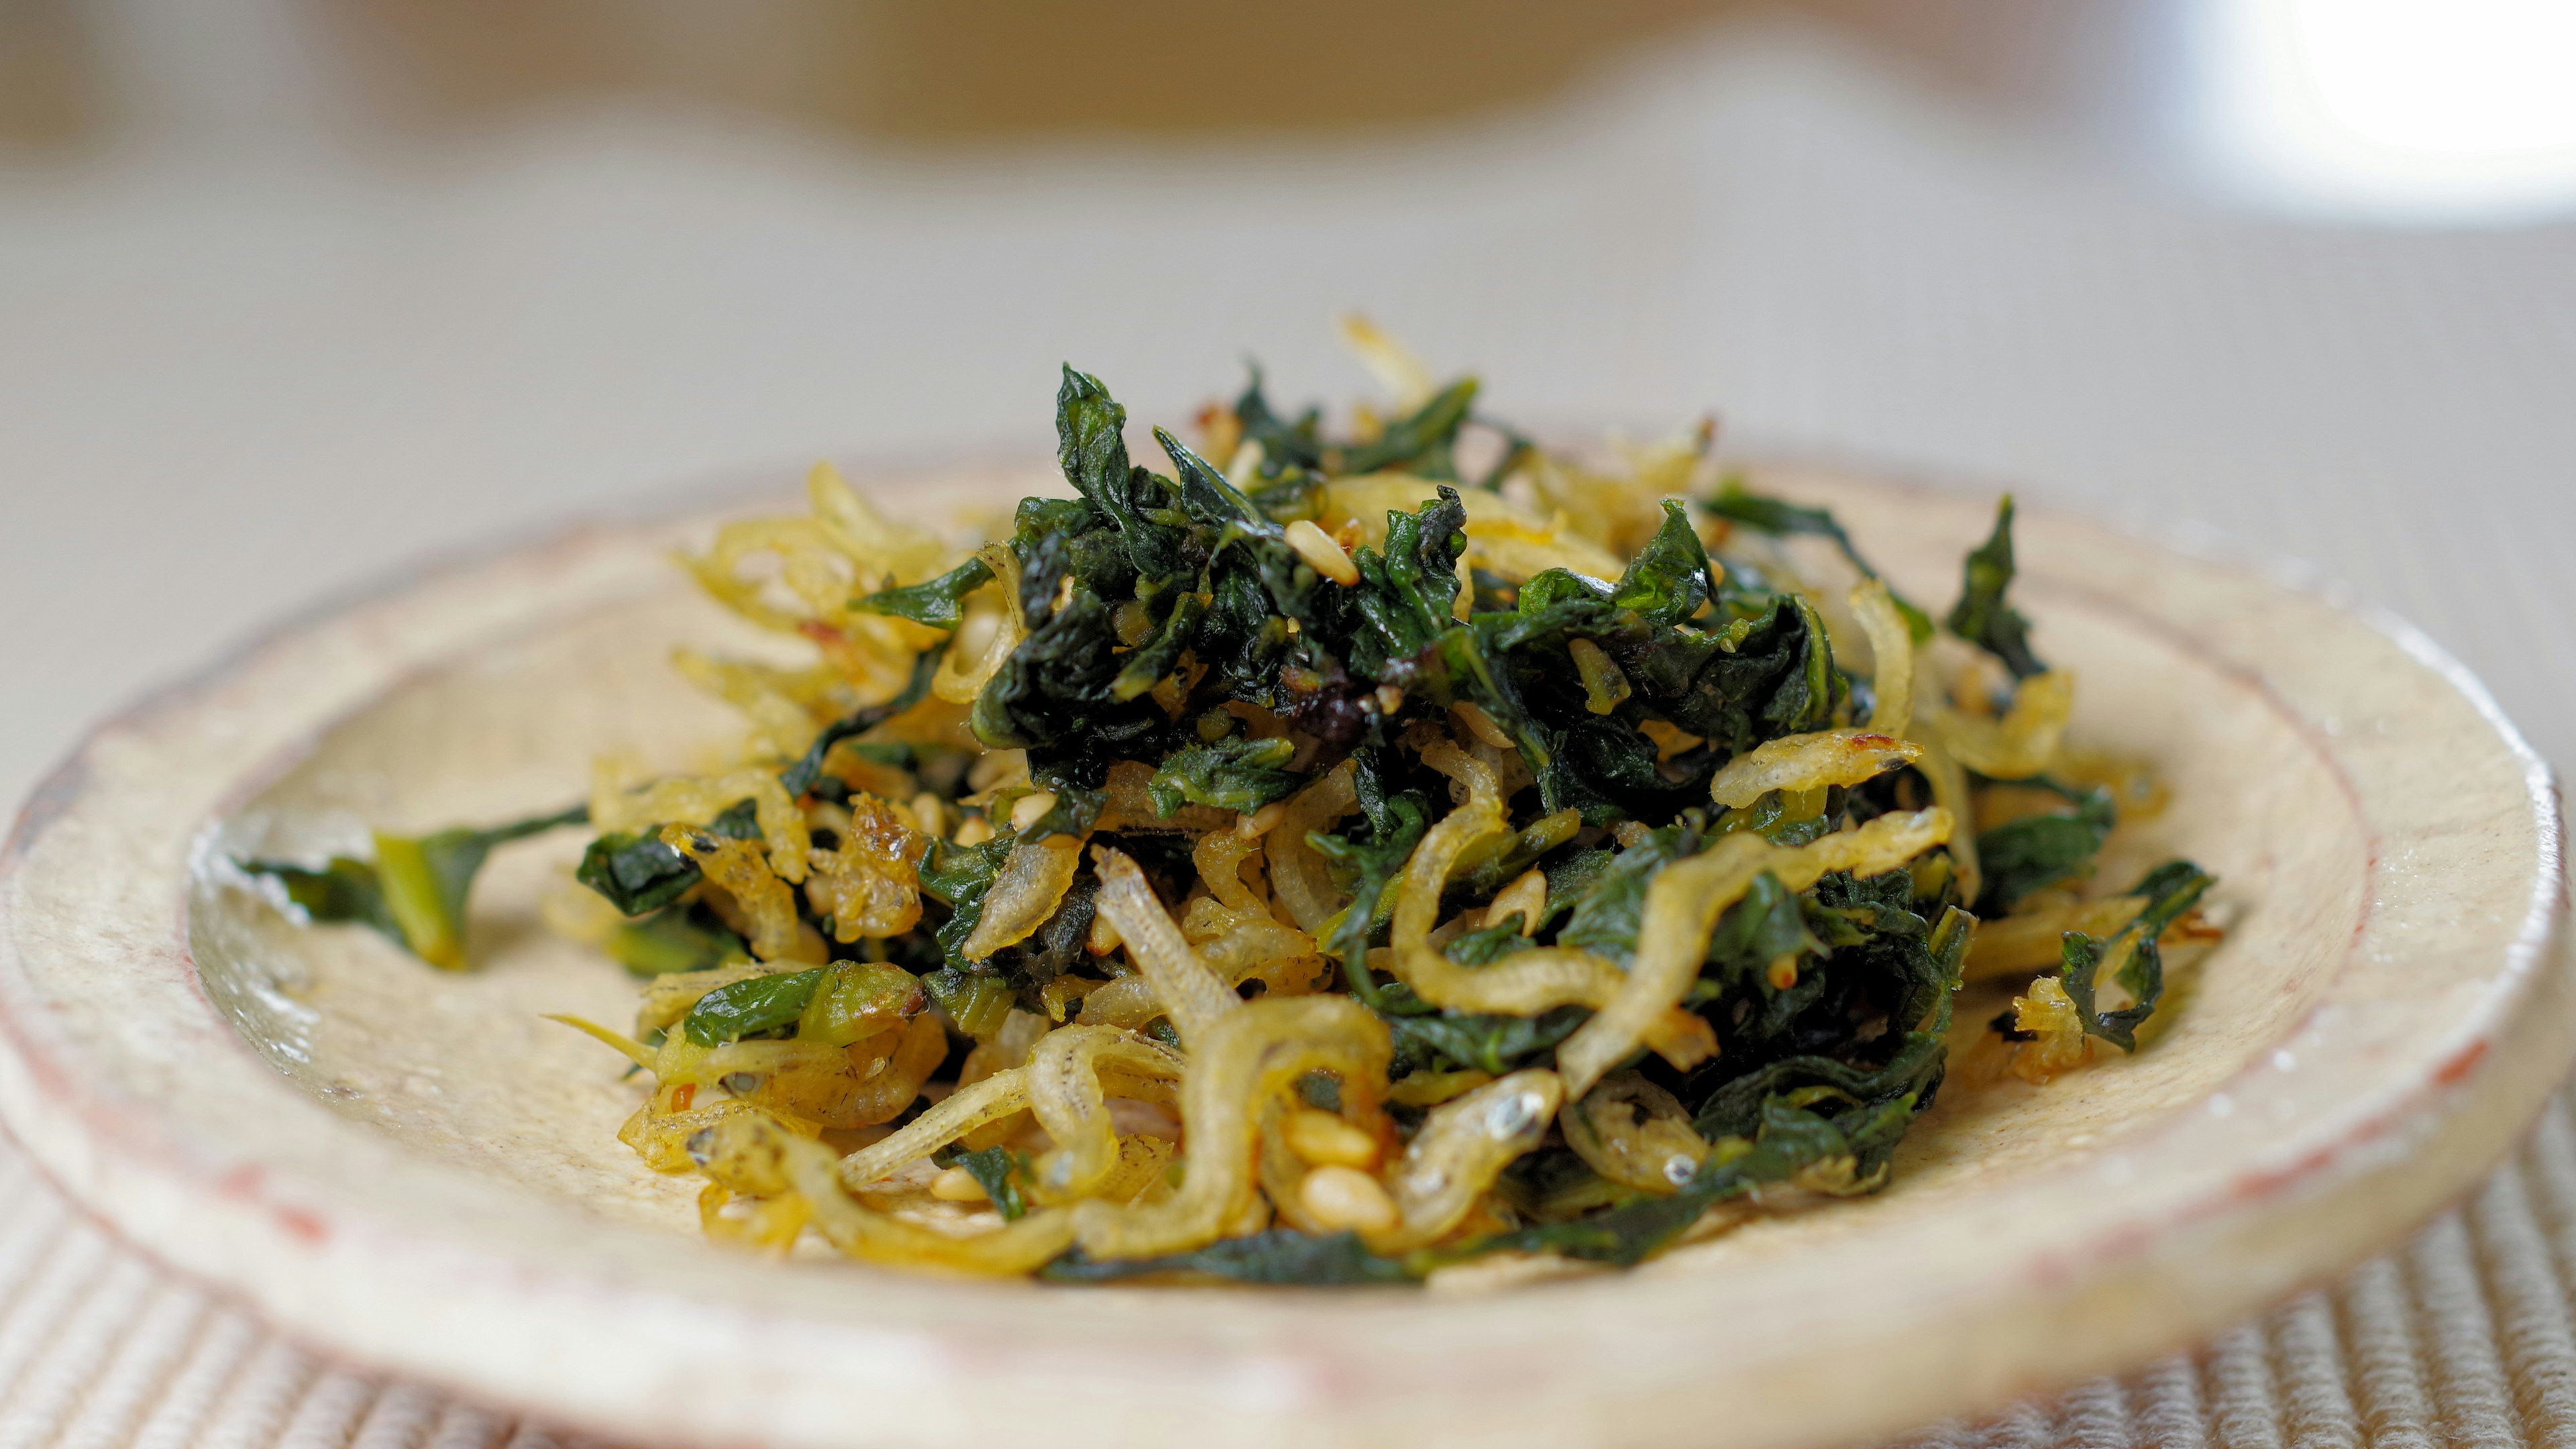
[{"x": 292, "y": 295}]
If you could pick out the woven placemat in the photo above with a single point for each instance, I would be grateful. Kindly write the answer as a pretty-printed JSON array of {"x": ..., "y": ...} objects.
[{"x": 2464, "y": 1337}]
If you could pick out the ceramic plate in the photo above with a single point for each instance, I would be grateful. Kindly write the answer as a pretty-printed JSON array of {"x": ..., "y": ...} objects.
[{"x": 411, "y": 1169}]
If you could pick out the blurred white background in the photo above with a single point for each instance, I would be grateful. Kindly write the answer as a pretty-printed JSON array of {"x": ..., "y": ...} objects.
[{"x": 293, "y": 293}]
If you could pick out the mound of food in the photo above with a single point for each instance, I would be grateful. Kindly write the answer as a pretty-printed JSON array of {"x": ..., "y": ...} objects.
[{"x": 1338, "y": 859}]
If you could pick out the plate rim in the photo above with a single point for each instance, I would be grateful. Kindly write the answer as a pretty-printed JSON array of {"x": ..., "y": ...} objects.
[{"x": 2536, "y": 965}]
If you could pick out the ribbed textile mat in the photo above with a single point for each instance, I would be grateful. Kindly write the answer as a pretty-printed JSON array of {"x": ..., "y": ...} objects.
[{"x": 2465, "y": 1337}]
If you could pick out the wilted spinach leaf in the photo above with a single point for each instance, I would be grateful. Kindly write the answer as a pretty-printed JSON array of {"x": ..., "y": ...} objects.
[
  {"x": 1373, "y": 852},
  {"x": 343, "y": 890},
  {"x": 671, "y": 941},
  {"x": 1607, "y": 914},
  {"x": 1736, "y": 504},
  {"x": 639, "y": 874},
  {"x": 1421, "y": 443},
  {"x": 414, "y": 892},
  {"x": 938, "y": 602},
  {"x": 1983, "y": 616},
  {"x": 800, "y": 777},
  {"x": 1232, "y": 774},
  {"x": 1789, "y": 1140},
  {"x": 1490, "y": 1042},
  {"x": 762, "y": 1006},
  {"x": 2036, "y": 851},
  {"x": 957, "y": 876},
  {"x": 2170, "y": 889},
  {"x": 1669, "y": 579},
  {"x": 998, "y": 1171},
  {"x": 1280, "y": 1256}
]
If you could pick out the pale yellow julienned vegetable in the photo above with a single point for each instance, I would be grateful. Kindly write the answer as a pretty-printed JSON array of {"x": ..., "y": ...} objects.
[
  {"x": 2021, "y": 744},
  {"x": 1239, "y": 1063},
  {"x": 1465, "y": 1143},
  {"x": 1891, "y": 649},
  {"x": 1187, "y": 986},
  {"x": 1809, "y": 762}
]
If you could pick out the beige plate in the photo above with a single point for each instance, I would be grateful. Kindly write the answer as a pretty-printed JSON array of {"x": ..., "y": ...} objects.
[{"x": 410, "y": 1169}]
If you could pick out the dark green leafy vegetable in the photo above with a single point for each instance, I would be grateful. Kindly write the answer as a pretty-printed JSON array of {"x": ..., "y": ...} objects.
[
  {"x": 2036, "y": 851},
  {"x": 1493, "y": 1043},
  {"x": 1669, "y": 580},
  {"x": 938, "y": 602},
  {"x": 2170, "y": 889},
  {"x": 1763, "y": 927},
  {"x": 799, "y": 778},
  {"x": 1607, "y": 913},
  {"x": 1421, "y": 443},
  {"x": 975, "y": 1001},
  {"x": 1790, "y": 1142},
  {"x": 1736, "y": 504},
  {"x": 1281, "y": 1256},
  {"x": 1372, "y": 853},
  {"x": 1488, "y": 944},
  {"x": 1287, "y": 446},
  {"x": 1983, "y": 616},
  {"x": 672, "y": 940},
  {"x": 998, "y": 1171},
  {"x": 640, "y": 875},
  {"x": 1815, "y": 1121},
  {"x": 957, "y": 876},
  {"x": 342, "y": 891},
  {"x": 762, "y": 1006},
  {"x": 414, "y": 892},
  {"x": 1235, "y": 774}
]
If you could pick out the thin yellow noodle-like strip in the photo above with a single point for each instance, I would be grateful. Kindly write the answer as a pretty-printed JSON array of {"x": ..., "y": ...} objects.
[
  {"x": 1128, "y": 1001},
  {"x": 1471, "y": 773},
  {"x": 800, "y": 546},
  {"x": 1244, "y": 1059},
  {"x": 1191, "y": 992},
  {"x": 1298, "y": 875},
  {"x": 1220, "y": 856},
  {"x": 960, "y": 679},
  {"x": 1808, "y": 762},
  {"x": 1463, "y": 1146},
  {"x": 778, "y": 718},
  {"x": 1027, "y": 889},
  {"x": 1066, "y": 1097},
  {"x": 776, "y": 932},
  {"x": 2024, "y": 742},
  {"x": 1950, "y": 792},
  {"x": 1683, "y": 906},
  {"x": 1389, "y": 361},
  {"x": 885, "y": 551},
  {"x": 1527, "y": 982},
  {"x": 1891, "y": 650},
  {"x": 883, "y": 1097},
  {"x": 1020, "y": 1247},
  {"x": 1523, "y": 983},
  {"x": 967, "y": 1108},
  {"x": 700, "y": 801}
]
